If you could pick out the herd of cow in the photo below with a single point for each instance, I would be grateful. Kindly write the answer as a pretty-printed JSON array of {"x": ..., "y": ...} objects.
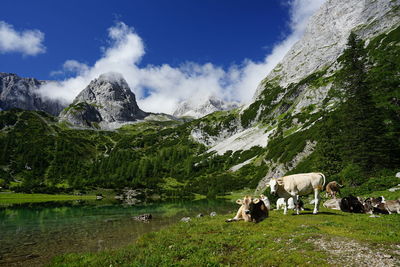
[{"x": 290, "y": 188}]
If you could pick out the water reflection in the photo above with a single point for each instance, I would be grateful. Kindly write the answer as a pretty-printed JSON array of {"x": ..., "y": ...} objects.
[{"x": 32, "y": 233}]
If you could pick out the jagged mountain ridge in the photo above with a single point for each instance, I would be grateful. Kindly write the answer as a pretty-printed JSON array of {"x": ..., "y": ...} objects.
[
  {"x": 18, "y": 92},
  {"x": 107, "y": 101},
  {"x": 200, "y": 109}
]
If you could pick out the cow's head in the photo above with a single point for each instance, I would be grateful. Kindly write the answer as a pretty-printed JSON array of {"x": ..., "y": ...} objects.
[
  {"x": 274, "y": 184},
  {"x": 245, "y": 202},
  {"x": 377, "y": 201}
]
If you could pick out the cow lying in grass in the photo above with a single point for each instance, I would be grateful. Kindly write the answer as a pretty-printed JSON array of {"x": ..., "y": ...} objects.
[
  {"x": 370, "y": 205},
  {"x": 298, "y": 185},
  {"x": 352, "y": 204},
  {"x": 333, "y": 203},
  {"x": 251, "y": 210},
  {"x": 380, "y": 205}
]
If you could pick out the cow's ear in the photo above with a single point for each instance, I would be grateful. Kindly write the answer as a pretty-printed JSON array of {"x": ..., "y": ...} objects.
[
  {"x": 268, "y": 185},
  {"x": 256, "y": 200},
  {"x": 279, "y": 181},
  {"x": 239, "y": 201}
]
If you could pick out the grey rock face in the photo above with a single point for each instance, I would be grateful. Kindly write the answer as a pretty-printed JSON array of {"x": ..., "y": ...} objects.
[
  {"x": 107, "y": 100},
  {"x": 203, "y": 108},
  {"x": 82, "y": 114},
  {"x": 326, "y": 36},
  {"x": 18, "y": 92}
]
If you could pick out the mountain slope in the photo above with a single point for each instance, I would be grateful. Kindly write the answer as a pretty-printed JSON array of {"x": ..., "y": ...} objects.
[
  {"x": 17, "y": 92},
  {"x": 292, "y": 102}
]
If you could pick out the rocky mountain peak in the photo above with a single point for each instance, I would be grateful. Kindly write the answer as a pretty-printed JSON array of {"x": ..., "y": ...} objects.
[
  {"x": 18, "y": 92},
  {"x": 110, "y": 97},
  {"x": 190, "y": 108}
]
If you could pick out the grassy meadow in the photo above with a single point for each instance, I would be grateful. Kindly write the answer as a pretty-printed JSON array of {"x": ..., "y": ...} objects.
[{"x": 329, "y": 238}]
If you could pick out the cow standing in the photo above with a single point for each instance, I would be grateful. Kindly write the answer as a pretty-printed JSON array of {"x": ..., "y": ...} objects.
[
  {"x": 298, "y": 185},
  {"x": 332, "y": 189}
]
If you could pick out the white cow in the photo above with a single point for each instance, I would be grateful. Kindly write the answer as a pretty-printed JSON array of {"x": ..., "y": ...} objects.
[
  {"x": 298, "y": 185},
  {"x": 280, "y": 203},
  {"x": 266, "y": 201}
]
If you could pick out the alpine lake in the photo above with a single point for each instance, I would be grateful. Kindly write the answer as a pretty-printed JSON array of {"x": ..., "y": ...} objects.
[{"x": 31, "y": 234}]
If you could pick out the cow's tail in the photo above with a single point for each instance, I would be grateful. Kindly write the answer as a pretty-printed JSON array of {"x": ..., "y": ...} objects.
[{"x": 323, "y": 184}]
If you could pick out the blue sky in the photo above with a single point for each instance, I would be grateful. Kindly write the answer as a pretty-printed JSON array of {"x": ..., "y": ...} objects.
[{"x": 183, "y": 44}]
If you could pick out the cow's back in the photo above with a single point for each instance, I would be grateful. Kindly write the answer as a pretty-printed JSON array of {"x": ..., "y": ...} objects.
[{"x": 303, "y": 183}]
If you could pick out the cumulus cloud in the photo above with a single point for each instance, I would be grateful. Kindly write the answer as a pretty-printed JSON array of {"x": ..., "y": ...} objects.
[
  {"x": 161, "y": 88},
  {"x": 27, "y": 42}
]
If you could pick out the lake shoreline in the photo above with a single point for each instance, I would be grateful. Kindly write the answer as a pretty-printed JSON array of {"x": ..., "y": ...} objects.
[
  {"x": 33, "y": 233},
  {"x": 280, "y": 240}
]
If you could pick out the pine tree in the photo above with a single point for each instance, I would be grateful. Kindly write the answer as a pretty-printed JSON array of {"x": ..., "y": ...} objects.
[{"x": 361, "y": 122}]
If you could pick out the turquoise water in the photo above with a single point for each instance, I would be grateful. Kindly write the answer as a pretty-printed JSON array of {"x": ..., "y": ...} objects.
[{"x": 31, "y": 234}]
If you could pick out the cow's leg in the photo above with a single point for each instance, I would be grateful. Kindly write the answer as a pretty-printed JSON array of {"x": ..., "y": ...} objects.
[
  {"x": 285, "y": 206},
  {"x": 238, "y": 216},
  {"x": 296, "y": 203},
  {"x": 317, "y": 200}
]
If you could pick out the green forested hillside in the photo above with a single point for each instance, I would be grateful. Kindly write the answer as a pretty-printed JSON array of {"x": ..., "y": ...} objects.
[
  {"x": 38, "y": 154},
  {"x": 356, "y": 130}
]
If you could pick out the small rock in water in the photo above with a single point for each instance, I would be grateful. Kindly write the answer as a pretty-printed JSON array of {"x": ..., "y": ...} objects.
[
  {"x": 185, "y": 219},
  {"x": 200, "y": 215},
  {"x": 143, "y": 217},
  {"x": 212, "y": 214}
]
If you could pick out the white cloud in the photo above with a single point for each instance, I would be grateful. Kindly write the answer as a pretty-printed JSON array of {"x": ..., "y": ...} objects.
[
  {"x": 161, "y": 88},
  {"x": 27, "y": 42}
]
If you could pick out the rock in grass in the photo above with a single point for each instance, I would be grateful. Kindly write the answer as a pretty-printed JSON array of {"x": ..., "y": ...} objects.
[
  {"x": 185, "y": 219},
  {"x": 212, "y": 214},
  {"x": 200, "y": 215},
  {"x": 393, "y": 189},
  {"x": 398, "y": 175},
  {"x": 374, "y": 216}
]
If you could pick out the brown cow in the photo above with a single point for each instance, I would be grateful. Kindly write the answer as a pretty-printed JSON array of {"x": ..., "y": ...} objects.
[
  {"x": 332, "y": 189},
  {"x": 389, "y": 206},
  {"x": 251, "y": 210}
]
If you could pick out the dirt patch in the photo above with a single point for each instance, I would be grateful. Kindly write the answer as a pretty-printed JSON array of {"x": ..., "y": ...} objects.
[{"x": 347, "y": 252}]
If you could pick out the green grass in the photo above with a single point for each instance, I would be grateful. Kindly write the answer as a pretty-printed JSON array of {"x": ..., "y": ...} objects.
[
  {"x": 277, "y": 241},
  {"x": 18, "y": 198}
]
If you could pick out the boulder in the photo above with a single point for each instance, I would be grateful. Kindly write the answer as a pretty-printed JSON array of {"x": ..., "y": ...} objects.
[{"x": 185, "y": 219}]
